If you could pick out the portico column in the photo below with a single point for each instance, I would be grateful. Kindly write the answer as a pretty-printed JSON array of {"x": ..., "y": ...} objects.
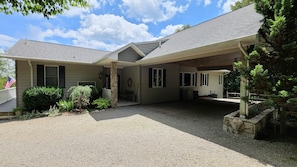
[
  {"x": 244, "y": 93},
  {"x": 114, "y": 84}
]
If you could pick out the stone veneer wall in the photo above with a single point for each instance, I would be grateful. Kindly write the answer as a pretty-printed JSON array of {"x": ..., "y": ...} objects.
[{"x": 248, "y": 127}]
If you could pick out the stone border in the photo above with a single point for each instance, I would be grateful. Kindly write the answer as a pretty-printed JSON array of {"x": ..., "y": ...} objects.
[{"x": 248, "y": 127}]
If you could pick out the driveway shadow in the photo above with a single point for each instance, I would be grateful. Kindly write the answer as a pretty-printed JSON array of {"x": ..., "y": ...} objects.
[{"x": 204, "y": 119}]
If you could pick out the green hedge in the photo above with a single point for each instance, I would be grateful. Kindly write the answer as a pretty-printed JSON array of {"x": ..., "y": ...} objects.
[{"x": 41, "y": 98}]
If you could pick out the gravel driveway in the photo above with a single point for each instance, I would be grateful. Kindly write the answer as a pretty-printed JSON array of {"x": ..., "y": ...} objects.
[{"x": 168, "y": 134}]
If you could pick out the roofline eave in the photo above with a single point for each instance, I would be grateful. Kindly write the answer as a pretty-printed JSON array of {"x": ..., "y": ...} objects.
[
  {"x": 205, "y": 51},
  {"x": 43, "y": 60}
]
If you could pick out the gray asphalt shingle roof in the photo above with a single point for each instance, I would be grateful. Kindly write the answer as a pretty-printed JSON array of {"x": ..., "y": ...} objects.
[
  {"x": 29, "y": 49},
  {"x": 234, "y": 25},
  {"x": 243, "y": 22}
]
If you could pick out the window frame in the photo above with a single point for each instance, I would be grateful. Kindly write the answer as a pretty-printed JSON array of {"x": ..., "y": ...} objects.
[
  {"x": 156, "y": 84},
  {"x": 84, "y": 83},
  {"x": 204, "y": 79},
  {"x": 193, "y": 79},
  {"x": 45, "y": 76},
  {"x": 221, "y": 79}
]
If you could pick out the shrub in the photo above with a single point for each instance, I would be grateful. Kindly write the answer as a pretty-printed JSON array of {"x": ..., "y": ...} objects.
[
  {"x": 41, "y": 98},
  {"x": 31, "y": 115},
  {"x": 94, "y": 95},
  {"x": 65, "y": 105},
  {"x": 53, "y": 112},
  {"x": 80, "y": 96},
  {"x": 101, "y": 103}
]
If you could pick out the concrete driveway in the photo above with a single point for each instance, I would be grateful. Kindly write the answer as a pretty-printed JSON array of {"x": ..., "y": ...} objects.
[{"x": 167, "y": 134}]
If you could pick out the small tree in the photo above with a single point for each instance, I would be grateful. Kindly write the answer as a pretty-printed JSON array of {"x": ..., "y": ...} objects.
[
  {"x": 80, "y": 96},
  {"x": 273, "y": 62},
  {"x": 232, "y": 81}
]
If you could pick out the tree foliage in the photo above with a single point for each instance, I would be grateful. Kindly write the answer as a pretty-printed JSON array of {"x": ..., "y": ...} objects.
[
  {"x": 240, "y": 4},
  {"x": 6, "y": 69},
  {"x": 273, "y": 62},
  {"x": 186, "y": 26},
  {"x": 46, "y": 7},
  {"x": 232, "y": 81}
]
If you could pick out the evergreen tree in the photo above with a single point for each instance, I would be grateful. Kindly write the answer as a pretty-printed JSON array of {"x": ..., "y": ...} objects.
[
  {"x": 273, "y": 63},
  {"x": 241, "y": 4},
  {"x": 186, "y": 26}
]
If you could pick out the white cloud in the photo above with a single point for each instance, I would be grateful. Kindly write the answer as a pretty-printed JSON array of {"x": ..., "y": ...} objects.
[
  {"x": 225, "y": 5},
  {"x": 170, "y": 29},
  {"x": 107, "y": 32},
  {"x": 112, "y": 28},
  {"x": 205, "y": 2},
  {"x": 6, "y": 41},
  {"x": 153, "y": 10},
  {"x": 94, "y": 4}
]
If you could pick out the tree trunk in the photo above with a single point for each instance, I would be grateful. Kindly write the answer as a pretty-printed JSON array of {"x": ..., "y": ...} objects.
[{"x": 282, "y": 122}]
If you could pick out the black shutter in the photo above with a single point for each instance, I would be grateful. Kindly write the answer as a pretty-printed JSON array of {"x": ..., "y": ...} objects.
[
  {"x": 40, "y": 75},
  {"x": 201, "y": 79},
  {"x": 195, "y": 79},
  {"x": 164, "y": 78},
  {"x": 62, "y": 76},
  {"x": 150, "y": 77},
  {"x": 180, "y": 79},
  {"x": 207, "y": 79}
]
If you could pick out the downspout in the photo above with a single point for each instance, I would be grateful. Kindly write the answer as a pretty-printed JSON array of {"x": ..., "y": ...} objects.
[
  {"x": 31, "y": 72},
  {"x": 243, "y": 84}
]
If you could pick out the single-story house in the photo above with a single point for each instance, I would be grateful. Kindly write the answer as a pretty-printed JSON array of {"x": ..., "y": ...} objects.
[{"x": 167, "y": 69}]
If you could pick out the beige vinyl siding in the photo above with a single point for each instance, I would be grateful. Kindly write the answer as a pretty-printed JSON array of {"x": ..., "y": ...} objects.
[
  {"x": 213, "y": 85},
  {"x": 134, "y": 74},
  {"x": 129, "y": 55},
  {"x": 157, "y": 95},
  {"x": 23, "y": 80},
  {"x": 73, "y": 74}
]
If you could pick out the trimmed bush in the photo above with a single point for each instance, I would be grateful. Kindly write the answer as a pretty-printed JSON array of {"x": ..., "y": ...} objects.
[{"x": 41, "y": 98}]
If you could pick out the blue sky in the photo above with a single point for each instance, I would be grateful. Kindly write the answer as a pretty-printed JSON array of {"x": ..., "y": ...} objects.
[{"x": 110, "y": 24}]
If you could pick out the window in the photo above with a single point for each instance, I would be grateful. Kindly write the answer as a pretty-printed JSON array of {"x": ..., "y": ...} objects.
[
  {"x": 157, "y": 78},
  {"x": 51, "y": 76},
  {"x": 85, "y": 83},
  {"x": 187, "y": 79},
  {"x": 221, "y": 79},
  {"x": 204, "y": 79}
]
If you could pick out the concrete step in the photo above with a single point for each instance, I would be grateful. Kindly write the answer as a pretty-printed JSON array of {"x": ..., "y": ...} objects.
[
  {"x": 7, "y": 117},
  {"x": 6, "y": 114}
]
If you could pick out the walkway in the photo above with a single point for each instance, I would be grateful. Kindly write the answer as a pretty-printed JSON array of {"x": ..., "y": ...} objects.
[{"x": 182, "y": 133}]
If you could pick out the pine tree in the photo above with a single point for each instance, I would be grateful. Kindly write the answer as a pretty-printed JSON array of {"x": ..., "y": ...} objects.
[{"x": 273, "y": 63}]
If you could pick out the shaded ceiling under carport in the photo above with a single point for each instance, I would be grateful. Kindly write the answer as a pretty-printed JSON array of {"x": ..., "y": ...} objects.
[{"x": 218, "y": 62}]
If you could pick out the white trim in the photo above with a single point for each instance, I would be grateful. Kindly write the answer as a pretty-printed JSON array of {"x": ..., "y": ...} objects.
[
  {"x": 157, "y": 77},
  {"x": 204, "y": 79},
  {"x": 193, "y": 79}
]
